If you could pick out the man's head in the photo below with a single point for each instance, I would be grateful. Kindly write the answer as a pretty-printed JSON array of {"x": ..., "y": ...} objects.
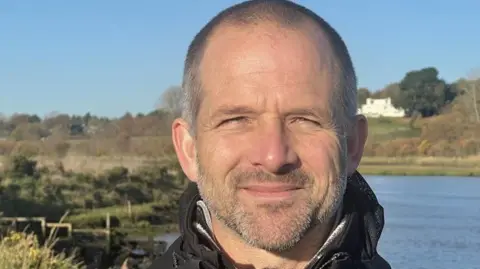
[{"x": 269, "y": 129}]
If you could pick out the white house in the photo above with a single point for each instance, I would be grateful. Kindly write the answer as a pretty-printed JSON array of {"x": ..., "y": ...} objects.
[{"x": 375, "y": 108}]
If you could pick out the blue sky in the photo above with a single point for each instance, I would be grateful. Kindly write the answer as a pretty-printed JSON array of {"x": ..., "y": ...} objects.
[{"x": 108, "y": 57}]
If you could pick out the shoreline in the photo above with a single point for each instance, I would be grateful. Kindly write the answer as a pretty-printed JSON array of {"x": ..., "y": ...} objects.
[
  {"x": 421, "y": 166},
  {"x": 417, "y": 171}
]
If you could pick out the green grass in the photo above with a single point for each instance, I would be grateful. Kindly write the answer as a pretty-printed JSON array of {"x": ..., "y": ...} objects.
[
  {"x": 142, "y": 216},
  {"x": 153, "y": 230},
  {"x": 390, "y": 128}
]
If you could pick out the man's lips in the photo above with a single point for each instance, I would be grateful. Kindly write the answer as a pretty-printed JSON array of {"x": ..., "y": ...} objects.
[
  {"x": 269, "y": 192},
  {"x": 270, "y": 187}
]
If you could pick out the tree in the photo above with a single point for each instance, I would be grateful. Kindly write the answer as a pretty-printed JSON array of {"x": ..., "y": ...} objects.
[
  {"x": 57, "y": 120},
  {"x": 34, "y": 118},
  {"x": 32, "y": 131},
  {"x": 362, "y": 95},
  {"x": 86, "y": 118},
  {"x": 469, "y": 96},
  {"x": 392, "y": 91},
  {"x": 422, "y": 91},
  {"x": 4, "y": 126},
  {"x": 126, "y": 124},
  {"x": 474, "y": 86},
  {"x": 19, "y": 118},
  {"x": 171, "y": 101}
]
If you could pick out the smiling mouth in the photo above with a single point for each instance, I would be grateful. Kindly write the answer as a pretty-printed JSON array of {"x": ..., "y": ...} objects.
[
  {"x": 270, "y": 191},
  {"x": 271, "y": 187}
]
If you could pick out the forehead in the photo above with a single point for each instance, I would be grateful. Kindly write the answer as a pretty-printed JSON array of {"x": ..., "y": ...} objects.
[{"x": 268, "y": 62}]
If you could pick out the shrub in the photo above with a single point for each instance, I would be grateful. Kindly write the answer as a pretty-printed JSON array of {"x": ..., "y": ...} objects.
[
  {"x": 22, "y": 251},
  {"x": 20, "y": 166}
]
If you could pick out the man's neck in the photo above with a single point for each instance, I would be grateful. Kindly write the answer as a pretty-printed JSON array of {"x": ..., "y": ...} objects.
[{"x": 245, "y": 256}]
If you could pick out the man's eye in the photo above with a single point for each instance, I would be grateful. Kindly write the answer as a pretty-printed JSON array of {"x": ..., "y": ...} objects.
[
  {"x": 233, "y": 120},
  {"x": 305, "y": 120}
]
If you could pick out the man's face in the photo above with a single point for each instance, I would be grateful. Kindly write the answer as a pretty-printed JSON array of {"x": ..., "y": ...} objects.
[{"x": 268, "y": 159}]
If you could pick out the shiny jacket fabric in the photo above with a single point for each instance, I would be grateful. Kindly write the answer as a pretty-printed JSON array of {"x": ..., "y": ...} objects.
[{"x": 352, "y": 246}]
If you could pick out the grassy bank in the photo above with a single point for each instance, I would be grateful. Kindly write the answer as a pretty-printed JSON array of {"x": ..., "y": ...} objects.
[
  {"x": 421, "y": 166},
  {"x": 412, "y": 165}
]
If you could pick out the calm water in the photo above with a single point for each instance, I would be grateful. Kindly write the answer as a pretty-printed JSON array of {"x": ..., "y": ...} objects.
[{"x": 431, "y": 222}]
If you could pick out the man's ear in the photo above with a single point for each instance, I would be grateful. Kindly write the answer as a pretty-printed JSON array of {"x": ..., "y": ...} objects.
[
  {"x": 357, "y": 138},
  {"x": 185, "y": 148}
]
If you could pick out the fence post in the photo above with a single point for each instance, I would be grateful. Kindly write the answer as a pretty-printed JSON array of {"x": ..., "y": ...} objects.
[
  {"x": 108, "y": 230},
  {"x": 44, "y": 228},
  {"x": 151, "y": 244},
  {"x": 70, "y": 231},
  {"x": 129, "y": 208}
]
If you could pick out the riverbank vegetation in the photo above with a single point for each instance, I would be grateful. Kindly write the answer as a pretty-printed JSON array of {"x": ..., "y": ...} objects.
[
  {"x": 23, "y": 251},
  {"x": 134, "y": 198},
  {"x": 139, "y": 202}
]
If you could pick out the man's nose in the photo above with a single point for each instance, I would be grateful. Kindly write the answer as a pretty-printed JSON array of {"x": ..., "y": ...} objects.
[{"x": 272, "y": 148}]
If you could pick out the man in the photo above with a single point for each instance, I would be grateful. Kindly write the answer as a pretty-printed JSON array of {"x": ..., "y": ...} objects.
[{"x": 270, "y": 137}]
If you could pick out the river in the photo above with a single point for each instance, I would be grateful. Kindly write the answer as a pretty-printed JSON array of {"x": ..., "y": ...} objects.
[{"x": 430, "y": 222}]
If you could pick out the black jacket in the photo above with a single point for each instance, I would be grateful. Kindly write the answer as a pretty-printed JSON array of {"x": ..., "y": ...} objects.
[{"x": 355, "y": 247}]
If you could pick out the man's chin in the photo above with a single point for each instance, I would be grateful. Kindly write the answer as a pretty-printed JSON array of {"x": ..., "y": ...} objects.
[
  {"x": 273, "y": 239},
  {"x": 272, "y": 227}
]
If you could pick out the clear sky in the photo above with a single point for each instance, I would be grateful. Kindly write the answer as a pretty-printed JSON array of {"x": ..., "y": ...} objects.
[{"x": 111, "y": 56}]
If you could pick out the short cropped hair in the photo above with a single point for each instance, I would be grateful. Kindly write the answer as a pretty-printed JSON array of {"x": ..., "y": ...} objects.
[{"x": 285, "y": 14}]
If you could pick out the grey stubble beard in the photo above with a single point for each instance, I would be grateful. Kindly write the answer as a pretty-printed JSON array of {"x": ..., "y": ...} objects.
[{"x": 243, "y": 222}]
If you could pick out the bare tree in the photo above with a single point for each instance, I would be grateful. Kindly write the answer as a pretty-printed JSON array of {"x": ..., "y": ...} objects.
[
  {"x": 51, "y": 114},
  {"x": 473, "y": 87},
  {"x": 171, "y": 100}
]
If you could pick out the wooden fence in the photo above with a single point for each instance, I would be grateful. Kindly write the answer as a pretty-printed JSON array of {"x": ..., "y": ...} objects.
[{"x": 45, "y": 226}]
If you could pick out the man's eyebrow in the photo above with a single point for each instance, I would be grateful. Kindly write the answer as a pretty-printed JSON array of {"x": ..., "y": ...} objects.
[
  {"x": 318, "y": 112},
  {"x": 232, "y": 110}
]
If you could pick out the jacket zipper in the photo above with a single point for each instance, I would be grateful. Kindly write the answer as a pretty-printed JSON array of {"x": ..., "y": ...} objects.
[{"x": 336, "y": 256}]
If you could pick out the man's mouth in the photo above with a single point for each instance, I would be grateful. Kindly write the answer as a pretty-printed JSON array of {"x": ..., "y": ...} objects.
[{"x": 270, "y": 191}]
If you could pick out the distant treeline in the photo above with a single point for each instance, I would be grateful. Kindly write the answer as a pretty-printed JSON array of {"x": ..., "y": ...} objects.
[{"x": 442, "y": 119}]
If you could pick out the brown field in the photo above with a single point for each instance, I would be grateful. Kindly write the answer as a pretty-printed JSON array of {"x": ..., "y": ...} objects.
[
  {"x": 370, "y": 165},
  {"x": 92, "y": 164}
]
